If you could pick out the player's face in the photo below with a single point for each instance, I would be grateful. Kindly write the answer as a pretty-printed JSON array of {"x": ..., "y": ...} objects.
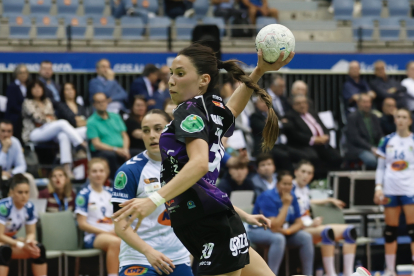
[
  {"x": 285, "y": 184},
  {"x": 304, "y": 175},
  {"x": 238, "y": 174},
  {"x": 98, "y": 174},
  {"x": 152, "y": 127},
  {"x": 184, "y": 83},
  {"x": 58, "y": 179},
  {"x": 403, "y": 120},
  {"x": 139, "y": 108},
  {"x": 20, "y": 194},
  {"x": 266, "y": 168}
]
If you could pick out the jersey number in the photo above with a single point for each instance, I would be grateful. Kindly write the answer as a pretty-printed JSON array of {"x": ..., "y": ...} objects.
[
  {"x": 218, "y": 150},
  {"x": 208, "y": 249},
  {"x": 399, "y": 156}
]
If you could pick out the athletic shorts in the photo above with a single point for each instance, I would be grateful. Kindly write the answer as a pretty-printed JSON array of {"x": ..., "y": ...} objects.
[
  {"x": 394, "y": 201},
  {"x": 147, "y": 270},
  {"x": 88, "y": 241},
  {"x": 219, "y": 242}
]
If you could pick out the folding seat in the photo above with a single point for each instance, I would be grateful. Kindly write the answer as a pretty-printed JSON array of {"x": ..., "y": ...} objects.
[
  {"x": 184, "y": 27},
  {"x": 47, "y": 26},
  {"x": 201, "y": 8},
  {"x": 367, "y": 28},
  {"x": 67, "y": 7},
  {"x": 343, "y": 9},
  {"x": 103, "y": 28},
  {"x": 264, "y": 21},
  {"x": 219, "y": 21},
  {"x": 78, "y": 26},
  {"x": 94, "y": 7},
  {"x": 13, "y": 7},
  {"x": 40, "y": 6},
  {"x": 371, "y": 8},
  {"x": 398, "y": 7},
  {"x": 132, "y": 28},
  {"x": 389, "y": 29},
  {"x": 19, "y": 27},
  {"x": 158, "y": 27}
]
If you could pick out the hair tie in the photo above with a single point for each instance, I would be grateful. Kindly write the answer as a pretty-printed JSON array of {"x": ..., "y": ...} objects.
[{"x": 220, "y": 64}]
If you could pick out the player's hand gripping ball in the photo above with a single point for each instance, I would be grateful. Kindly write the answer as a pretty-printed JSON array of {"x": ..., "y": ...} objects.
[{"x": 273, "y": 39}]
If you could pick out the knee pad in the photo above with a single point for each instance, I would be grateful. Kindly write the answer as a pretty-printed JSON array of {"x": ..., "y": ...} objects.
[
  {"x": 328, "y": 237},
  {"x": 42, "y": 257},
  {"x": 5, "y": 255},
  {"x": 390, "y": 233},
  {"x": 410, "y": 228},
  {"x": 350, "y": 234}
]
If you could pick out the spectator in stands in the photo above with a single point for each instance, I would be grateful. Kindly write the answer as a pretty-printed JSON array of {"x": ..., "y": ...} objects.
[
  {"x": 225, "y": 9},
  {"x": 59, "y": 194},
  {"x": 146, "y": 86},
  {"x": 107, "y": 132},
  {"x": 131, "y": 8},
  {"x": 70, "y": 111},
  {"x": 259, "y": 8},
  {"x": 93, "y": 212},
  {"x": 281, "y": 206},
  {"x": 16, "y": 93},
  {"x": 40, "y": 125},
  {"x": 16, "y": 211},
  {"x": 363, "y": 133},
  {"x": 385, "y": 87},
  {"x": 308, "y": 138},
  {"x": 105, "y": 83},
  {"x": 169, "y": 107},
  {"x": 52, "y": 89},
  {"x": 354, "y": 86},
  {"x": 387, "y": 121},
  {"x": 11, "y": 157},
  {"x": 174, "y": 8},
  {"x": 237, "y": 179},
  {"x": 163, "y": 92},
  {"x": 133, "y": 125},
  {"x": 299, "y": 87},
  {"x": 276, "y": 91},
  {"x": 265, "y": 179},
  {"x": 408, "y": 83}
]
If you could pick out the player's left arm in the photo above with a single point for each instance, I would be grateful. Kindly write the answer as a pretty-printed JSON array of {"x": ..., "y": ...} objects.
[
  {"x": 295, "y": 227},
  {"x": 258, "y": 220},
  {"x": 30, "y": 232}
]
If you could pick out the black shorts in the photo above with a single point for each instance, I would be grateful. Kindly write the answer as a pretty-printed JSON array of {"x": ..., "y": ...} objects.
[{"x": 219, "y": 242}]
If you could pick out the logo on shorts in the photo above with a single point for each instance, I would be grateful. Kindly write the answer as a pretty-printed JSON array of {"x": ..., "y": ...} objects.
[
  {"x": 135, "y": 270},
  {"x": 80, "y": 200},
  {"x": 192, "y": 123},
  {"x": 191, "y": 204},
  {"x": 399, "y": 165},
  {"x": 238, "y": 243},
  {"x": 3, "y": 210},
  {"x": 120, "y": 181}
]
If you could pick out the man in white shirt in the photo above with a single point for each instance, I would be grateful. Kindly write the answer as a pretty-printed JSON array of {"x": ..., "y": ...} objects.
[{"x": 409, "y": 84}]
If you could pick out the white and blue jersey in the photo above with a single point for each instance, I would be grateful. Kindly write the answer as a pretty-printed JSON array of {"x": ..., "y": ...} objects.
[
  {"x": 97, "y": 208},
  {"x": 138, "y": 178},
  {"x": 13, "y": 219}
]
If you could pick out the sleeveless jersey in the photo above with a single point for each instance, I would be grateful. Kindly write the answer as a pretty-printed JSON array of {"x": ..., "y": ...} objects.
[
  {"x": 207, "y": 118},
  {"x": 138, "y": 178},
  {"x": 13, "y": 219}
]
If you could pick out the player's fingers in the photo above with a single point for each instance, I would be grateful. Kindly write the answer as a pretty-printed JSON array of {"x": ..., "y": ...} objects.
[
  {"x": 166, "y": 268},
  {"x": 289, "y": 58},
  {"x": 281, "y": 56},
  {"x": 119, "y": 212},
  {"x": 118, "y": 216},
  {"x": 138, "y": 224},
  {"x": 130, "y": 221},
  {"x": 155, "y": 266},
  {"x": 123, "y": 204},
  {"x": 169, "y": 262}
]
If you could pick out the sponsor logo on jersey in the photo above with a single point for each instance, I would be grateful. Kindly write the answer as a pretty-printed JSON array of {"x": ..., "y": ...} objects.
[
  {"x": 105, "y": 220},
  {"x": 217, "y": 119},
  {"x": 3, "y": 210},
  {"x": 239, "y": 245},
  {"x": 218, "y": 104},
  {"x": 164, "y": 218},
  {"x": 120, "y": 181},
  {"x": 170, "y": 202},
  {"x": 190, "y": 204},
  {"x": 399, "y": 165},
  {"x": 192, "y": 123},
  {"x": 217, "y": 98},
  {"x": 80, "y": 200},
  {"x": 122, "y": 195},
  {"x": 135, "y": 270},
  {"x": 151, "y": 180}
]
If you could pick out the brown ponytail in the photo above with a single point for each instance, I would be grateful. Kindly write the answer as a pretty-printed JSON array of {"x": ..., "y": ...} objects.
[{"x": 271, "y": 129}]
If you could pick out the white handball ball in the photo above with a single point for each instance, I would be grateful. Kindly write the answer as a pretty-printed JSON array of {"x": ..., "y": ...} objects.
[{"x": 273, "y": 39}]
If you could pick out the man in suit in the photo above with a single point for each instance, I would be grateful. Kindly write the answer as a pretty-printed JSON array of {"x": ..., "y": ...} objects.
[
  {"x": 105, "y": 83},
  {"x": 308, "y": 138},
  {"x": 276, "y": 91},
  {"x": 363, "y": 132},
  {"x": 52, "y": 89}
]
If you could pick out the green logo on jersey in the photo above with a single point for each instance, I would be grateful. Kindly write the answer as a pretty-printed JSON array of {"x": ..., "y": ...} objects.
[
  {"x": 120, "y": 181},
  {"x": 3, "y": 210},
  {"x": 80, "y": 200},
  {"x": 192, "y": 123},
  {"x": 381, "y": 143}
]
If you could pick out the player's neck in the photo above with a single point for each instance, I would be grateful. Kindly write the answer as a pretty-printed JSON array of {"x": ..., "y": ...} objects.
[
  {"x": 155, "y": 157},
  {"x": 97, "y": 187},
  {"x": 18, "y": 205},
  {"x": 403, "y": 133}
]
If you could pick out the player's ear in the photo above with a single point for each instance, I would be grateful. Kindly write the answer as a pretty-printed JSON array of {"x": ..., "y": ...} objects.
[{"x": 204, "y": 80}]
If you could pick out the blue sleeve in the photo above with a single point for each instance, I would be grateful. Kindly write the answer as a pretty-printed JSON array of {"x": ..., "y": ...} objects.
[
  {"x": 347, "y": 91},
  {"x": 31, "y": 214},
  {"x": 125, "y": 185},
  {"x": 4, "y": 212},
  {"x": 95, "y": 86},
  {"x": 266, "y": 206},
  {"x": 381, "y": 150},
  {"x": 118, "y": 93},
  {"x": 296, "y": 208},
  {"x": 367, "y": 87},
  {"x": 81, "y": 203},
  {"x": 224, "y": 160}
]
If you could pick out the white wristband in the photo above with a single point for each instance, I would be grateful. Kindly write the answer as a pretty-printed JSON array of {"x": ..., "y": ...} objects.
[
  {"x": 157, "y": 199},
  {"x": 20, "y": 244},
  {"x": 378, "y": 188}
]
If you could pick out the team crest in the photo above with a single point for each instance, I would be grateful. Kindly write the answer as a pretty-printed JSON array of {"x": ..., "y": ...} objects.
[
  {"x": 120, "y": 180},
  {"x": 192, "y": 123}
]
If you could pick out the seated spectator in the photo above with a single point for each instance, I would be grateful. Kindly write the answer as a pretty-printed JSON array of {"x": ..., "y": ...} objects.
[
  {"x": 16, "y": 211},
  {"x": 408, "y": 83},
  {"x": 93, "y": 213},
  {"x": 105, "y": 83},
  {"x": 387, "y": 121},
  {"x": 108, "y": 135},
  {"x": 131, "y": 8},
  {"x": 237, "y": 179},
  {"x": 11, "y": 157},
  {"x": 174, "y": 8},
  {"x": 265, "y": 179},
  {"x": 259, "y": 8},
  {"x": 40, "y": 125},
  {"x": 169, "y": 107},
  {"x": 225, "y": 9},
  {"x": 363, "y": 133},
  {"x": 16, "y": 93},
  {"x": 327, "y": 234},
  {"x": 59, "y": 194},
  {"x": 308, "y": 138},
  {"x": 299, "y": 87},
  {"x": 146, "y": 86},
  {"x": 386, "y": 87},
  {"x": 133, "y": 125},
  {"x": 163, "y": 92},
  {"x": 277, "y": 91},
  {"x": 354, "y": 86},
  {"x": 52, "y": 89},
  {"x": 281, "y": 206},
  {"x": 70, "y": 111}
]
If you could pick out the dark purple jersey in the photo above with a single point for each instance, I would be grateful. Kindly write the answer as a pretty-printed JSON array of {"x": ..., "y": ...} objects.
[{"x": 207, "y": 118}]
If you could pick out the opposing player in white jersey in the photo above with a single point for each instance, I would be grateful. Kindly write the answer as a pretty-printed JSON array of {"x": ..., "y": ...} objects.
[
  {"x": 17, "y": 211},
  {"x": 94, "y": 210},
  {"x": 395, "y": 184},
  {"x": 154, "y": 249}
]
